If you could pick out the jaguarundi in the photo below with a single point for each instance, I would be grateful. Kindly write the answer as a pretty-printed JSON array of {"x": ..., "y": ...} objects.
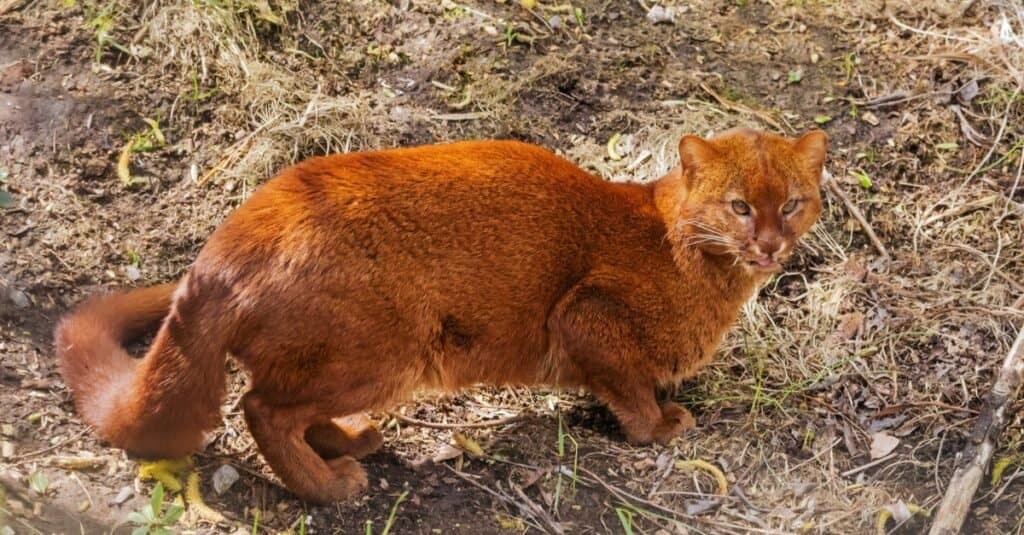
[{"x": 350, "y": 281}]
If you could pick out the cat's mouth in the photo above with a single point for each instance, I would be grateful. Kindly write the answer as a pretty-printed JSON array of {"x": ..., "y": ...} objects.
[{"x": 765, "y": 264}]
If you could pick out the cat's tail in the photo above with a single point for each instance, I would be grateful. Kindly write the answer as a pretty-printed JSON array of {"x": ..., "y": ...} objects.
[{"x": 157, "y": 406}]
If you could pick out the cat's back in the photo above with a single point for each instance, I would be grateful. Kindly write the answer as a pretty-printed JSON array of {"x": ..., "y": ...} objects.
[
  {"x": 471, "y": 165},
  {"x": 465, "y": 183},
  {"x": 457, "y": 204}
]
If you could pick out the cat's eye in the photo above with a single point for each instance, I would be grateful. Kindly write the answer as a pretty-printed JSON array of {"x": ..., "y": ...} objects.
[
  {"x": 741, "y": 208},
  {"x": 790, "y": 206}
]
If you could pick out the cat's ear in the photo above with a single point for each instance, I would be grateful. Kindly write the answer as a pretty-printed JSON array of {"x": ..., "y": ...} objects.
[
  {"x": 812, "y": 148},
  {"x": 694, "y": 151}
]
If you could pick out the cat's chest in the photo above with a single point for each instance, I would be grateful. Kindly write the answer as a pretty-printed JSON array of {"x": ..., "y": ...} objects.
[{"x": 689, "y": 334}]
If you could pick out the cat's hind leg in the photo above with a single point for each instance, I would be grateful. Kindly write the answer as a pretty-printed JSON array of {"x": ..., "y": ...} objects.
[
  {"x": 279, "y": 430},
  {"x": 353, "y": 435}
]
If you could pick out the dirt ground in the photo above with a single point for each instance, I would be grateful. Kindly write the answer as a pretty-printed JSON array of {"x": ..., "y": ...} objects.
[{"x": 837, "y": 405}]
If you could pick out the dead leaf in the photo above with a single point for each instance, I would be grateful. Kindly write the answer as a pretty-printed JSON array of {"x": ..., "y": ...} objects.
[
  {"x": 800, "y": 488},
  {"x": 882, "y": 444},
  {"x": 122, "y": 164},
  {"x": 446, "y": 452},
  {"x": 532, "y": 476},
  {"x": 512, "y": 523},
  {"x": 855, "y": 269},
  {"x": 468, "y": 444},
  {"x": 967, "y": 93},
  {"x": 849, "y": 326},
  {"x": 697, "y": 507},
  {"x": 881, "y": 424}
]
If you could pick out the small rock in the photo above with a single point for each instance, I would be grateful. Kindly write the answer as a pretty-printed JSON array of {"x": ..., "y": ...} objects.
[
  {"x": 132, "y": 273},
  {"x": 870, "y": 118},
  {"x": 6, "y": 449},
  {"x": 659, "y": 14},
  {"x": 223, "y": 478},
  {"x": 122, "y": 496},
  {"x": 19, "y": 298},
  {"x": 555, "y": 22}
]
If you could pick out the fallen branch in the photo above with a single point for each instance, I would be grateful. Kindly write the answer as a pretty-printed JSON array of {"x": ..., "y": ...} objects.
[
  {"x": 833, "y": 186},
  {"x": 465, "y": 425},
  {"x": 975, "y": 458}
]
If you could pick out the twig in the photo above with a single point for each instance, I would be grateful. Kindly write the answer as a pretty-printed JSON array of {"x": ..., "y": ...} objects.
[
  {"x": 833, "y": 186},
  {"x": 975, "y": 458},
  {"x": 499, "y": 495},
  {"x": 10, "y": 6},
  {"x": 467, "y": 116},
  {"x": 736, "y": 106},
  {"x": 962, "y": 209},
  {"x": 632, "y": 498},
  {"x": 669, "y": 466},
  {"x": 863, "y": 467},
  {"x": 816, "y": 456},
  {"x": 897, "y": 22},
  {"x": 466, "y": 425},
  {"x": 25, "y": 456},
  {"x": 235, "y": 151},
  {"x": 970, "y": 134},
  {"x": 537, "y": 511}
]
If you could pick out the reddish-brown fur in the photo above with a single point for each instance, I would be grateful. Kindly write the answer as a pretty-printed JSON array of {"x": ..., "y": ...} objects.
[{"x": 349, "y": 281}]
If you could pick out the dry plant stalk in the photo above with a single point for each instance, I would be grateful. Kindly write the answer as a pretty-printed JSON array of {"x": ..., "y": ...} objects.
[
  {"x": 975, "y": 458},
  {"x": 859, "y": 216}
]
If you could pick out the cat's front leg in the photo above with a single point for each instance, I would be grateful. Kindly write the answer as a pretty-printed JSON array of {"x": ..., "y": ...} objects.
[
  {"x": 605, "y": 353},
  {"x": 642, "y": 419},
  {"x": 674, "y": 420}
]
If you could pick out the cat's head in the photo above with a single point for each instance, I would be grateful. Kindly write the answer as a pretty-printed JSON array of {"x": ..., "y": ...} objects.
[{"x": 750, "y": 195}]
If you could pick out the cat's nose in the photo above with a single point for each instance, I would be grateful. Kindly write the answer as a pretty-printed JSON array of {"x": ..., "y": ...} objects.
[{"x": 769, "y": 244}]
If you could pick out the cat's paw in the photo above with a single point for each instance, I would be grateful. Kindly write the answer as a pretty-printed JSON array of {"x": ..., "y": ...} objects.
[
  {"x": 674, "y": 420},
  {"x": 349, "y": 478}
]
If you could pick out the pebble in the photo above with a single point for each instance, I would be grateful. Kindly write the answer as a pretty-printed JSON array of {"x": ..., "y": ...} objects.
[
  {"x": 122, "y": 496},
  {"x": 19, "y": 298},
  {"x": 660, "y": 14},
  {"x": 223, "y": 478}
]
